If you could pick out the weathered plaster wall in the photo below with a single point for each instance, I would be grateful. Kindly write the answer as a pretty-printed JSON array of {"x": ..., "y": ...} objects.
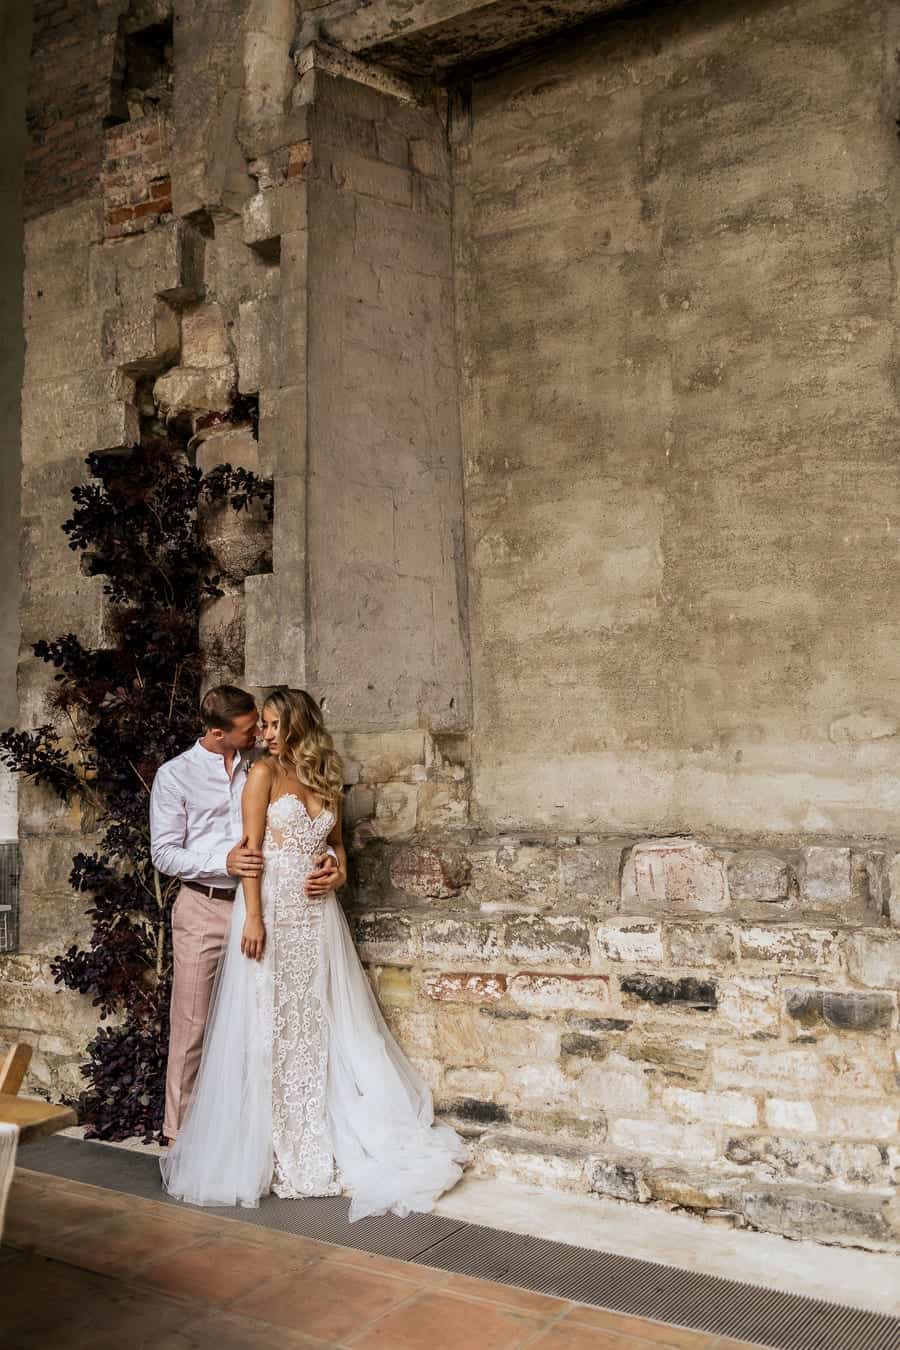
[{"x": 677, "y": 321}]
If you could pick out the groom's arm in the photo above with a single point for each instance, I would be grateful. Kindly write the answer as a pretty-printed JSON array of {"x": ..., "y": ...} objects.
[{"x": 168, "y": 828}]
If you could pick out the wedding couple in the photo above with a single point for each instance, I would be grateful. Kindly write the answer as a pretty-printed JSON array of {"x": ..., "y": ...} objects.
[{"x": 282, "y": 1075}]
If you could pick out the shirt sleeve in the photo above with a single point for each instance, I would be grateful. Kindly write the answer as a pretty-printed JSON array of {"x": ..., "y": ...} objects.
[{"x": 168, "y": 829}]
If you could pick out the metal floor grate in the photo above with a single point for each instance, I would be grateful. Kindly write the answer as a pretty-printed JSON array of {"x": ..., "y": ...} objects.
[{"x": 640, "y": 1288}]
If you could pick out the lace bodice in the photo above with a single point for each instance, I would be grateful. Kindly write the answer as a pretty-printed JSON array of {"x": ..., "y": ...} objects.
[{"x": 291, "y": 829}]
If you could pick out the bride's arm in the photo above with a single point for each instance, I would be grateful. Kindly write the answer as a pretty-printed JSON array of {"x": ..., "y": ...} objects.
[
  {"x": 336, "y": 841},
  {"x": 254, "y": 805}
]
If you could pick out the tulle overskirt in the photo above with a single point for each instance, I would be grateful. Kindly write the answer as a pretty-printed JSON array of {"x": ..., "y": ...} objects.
[{"x": 389, "y": 1153}]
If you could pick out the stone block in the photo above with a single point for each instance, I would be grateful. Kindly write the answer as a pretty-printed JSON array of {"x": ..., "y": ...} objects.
[
  {"x": 662, "y": 1139},
  {"x": 515, "y": 876},
  {"x": 140, "y": 339},
  {"x": 393, "y": 986},
  {"x": 226, "y": 445},
  {"x": 791, "y": 1116},
  {"x": 472, "y": 1111},
  {"x": 359, "y": 805},
  {"x": 186, "y": 391},
  {"x": 464, "y": 987},
  {"x": 221, "y": 631},
  {"x": 442, "y": 806},
  {"x": 392, "y": 146},
  {"x": 367, "y": 177},
  {"x": 429, "y": 873},
  {"x": 269, "y": 215},
  {"x": 850, "y": 1010},
  {"x": 839, "y": 1120},
  {"x": 758, "y": 877},
  {"x": 618, "y": 1180},
  {"x": 428, "y": 157},
  {"x": 677, "y": 1057},
  {"x": 396, "y": 805},
  {"x": 613, "y": 1090},
  {"x": 460, "y": 940},
  {"x": 395, "y": 237},
  {"x": 893, "y": 891},
  {"x": 785, "y": 1070},
  {"x": 703, "y": 944},
  {"x": 807, "y": 1159},
  {"x": 382, "y": 938},
  {"x": 533, "y": 1162},
  {"x": 825, "y": 879},
  {"x": 676, "y": 874},
  {"x": 634, "y": 941},
  {"x": 800, "y": 1212},
  {"x": 477, "y": 1083},
  {"x": 687, "y": 1190},
  {"x": 384, "y": 757},
  {"x": 804, "y": 1005},
  {"x": 797, "y": 949},
  {"x": 459, "y": 1039},
  {"x": 551, "y": 940},
  {"x": 663, "y": 992},
  {"x": 582, "y": 1046},
  {"x": 589, "y": 875},
  {"x": 205, "y": 340},
  {"x": 552, "y": 993},
  {"x": 520, "y": 1039},
  {"x": 719, "y": 1108},
  {"x": 873, "y": 959},
  {"x": 275, "y": 651},
  {"x": 750, "y": 1004},
  {"x": 259, "y": 329}
]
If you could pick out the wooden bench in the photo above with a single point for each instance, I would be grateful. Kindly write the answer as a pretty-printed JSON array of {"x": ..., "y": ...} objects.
[{"x": 34, "y": 1118}]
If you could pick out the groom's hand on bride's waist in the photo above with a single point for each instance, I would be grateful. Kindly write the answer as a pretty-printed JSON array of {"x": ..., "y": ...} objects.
[
  {"x": 325, "y": 875},
  {"x": 243, "y": 861}
]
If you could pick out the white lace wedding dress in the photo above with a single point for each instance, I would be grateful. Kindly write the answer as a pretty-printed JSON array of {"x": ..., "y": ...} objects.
[{"x": 302, "y": 1089}]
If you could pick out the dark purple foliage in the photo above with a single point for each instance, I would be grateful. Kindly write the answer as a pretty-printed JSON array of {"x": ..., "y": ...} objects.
[{"x": 121, "y": 711}]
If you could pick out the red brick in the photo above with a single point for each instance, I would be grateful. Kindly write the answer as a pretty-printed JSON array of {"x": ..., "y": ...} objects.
[{"x": 464, "y": 987}]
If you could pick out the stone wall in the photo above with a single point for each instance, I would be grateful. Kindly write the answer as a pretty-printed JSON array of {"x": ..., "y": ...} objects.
[
  {"x": 666, "y": 1022},
  {"x": 15, "y": 39},
  {"x": 572, "y": 378}
]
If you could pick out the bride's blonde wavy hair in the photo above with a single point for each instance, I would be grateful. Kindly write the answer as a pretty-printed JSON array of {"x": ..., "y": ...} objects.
[{"x": 305, "y": 748}]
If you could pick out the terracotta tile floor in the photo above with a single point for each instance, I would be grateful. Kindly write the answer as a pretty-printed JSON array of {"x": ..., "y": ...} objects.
[{"x": 87, "y": 1269}]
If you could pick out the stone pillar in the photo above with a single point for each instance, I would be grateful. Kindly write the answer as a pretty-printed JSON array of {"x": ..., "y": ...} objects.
[{"x": 358, "y": 410}]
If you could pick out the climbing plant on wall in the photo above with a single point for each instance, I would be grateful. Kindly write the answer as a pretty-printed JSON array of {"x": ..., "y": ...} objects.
[{"x": 119, "y": 711}]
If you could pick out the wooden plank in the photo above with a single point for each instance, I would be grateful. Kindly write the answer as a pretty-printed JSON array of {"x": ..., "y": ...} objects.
[
  {"x": 15, "y": 1066},
  {"x": 35, "y": 1119}
]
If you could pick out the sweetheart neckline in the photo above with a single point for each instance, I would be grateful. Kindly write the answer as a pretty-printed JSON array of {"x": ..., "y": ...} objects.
[{"x": 296, "y": 798}]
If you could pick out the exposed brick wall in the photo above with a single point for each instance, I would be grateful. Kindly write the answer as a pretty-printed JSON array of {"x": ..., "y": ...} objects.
[
  {"x": 73, "y": 50},
  {"x": 137, "y": 187}
]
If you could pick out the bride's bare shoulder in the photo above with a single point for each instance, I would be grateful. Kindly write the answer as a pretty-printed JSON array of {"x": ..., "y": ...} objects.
[{"x": 262, "y": 770}]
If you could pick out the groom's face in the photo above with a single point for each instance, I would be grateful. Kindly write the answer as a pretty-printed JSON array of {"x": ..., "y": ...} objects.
[{"x": 241, "y": 735}]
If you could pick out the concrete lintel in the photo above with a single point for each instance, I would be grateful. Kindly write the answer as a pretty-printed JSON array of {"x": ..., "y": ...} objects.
[
  {"x": 337, "y": 61},
  {"x": 425, "y": 37}
]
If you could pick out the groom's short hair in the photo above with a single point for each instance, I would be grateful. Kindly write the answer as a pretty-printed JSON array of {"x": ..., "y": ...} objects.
[{"x": 221, "y": 705}]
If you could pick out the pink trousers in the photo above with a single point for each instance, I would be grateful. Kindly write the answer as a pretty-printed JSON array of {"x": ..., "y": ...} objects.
[{"x": 199, "y": 929}]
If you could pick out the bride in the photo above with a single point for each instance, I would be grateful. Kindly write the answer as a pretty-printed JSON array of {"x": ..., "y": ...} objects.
[{"x": 302, "y": 1089}]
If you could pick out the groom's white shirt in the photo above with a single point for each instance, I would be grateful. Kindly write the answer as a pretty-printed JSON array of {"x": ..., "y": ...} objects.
[{"x": 195, "y": 815}]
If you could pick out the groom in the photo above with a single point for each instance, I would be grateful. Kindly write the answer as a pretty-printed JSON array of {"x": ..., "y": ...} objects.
[{"x": 197, "y": 835}]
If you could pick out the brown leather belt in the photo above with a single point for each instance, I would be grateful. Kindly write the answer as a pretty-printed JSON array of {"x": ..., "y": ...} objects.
[{"x": 211, "y": 892}]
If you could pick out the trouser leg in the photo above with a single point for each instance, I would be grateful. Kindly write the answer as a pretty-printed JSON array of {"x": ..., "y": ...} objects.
[{"x": 199, "y": 929}]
